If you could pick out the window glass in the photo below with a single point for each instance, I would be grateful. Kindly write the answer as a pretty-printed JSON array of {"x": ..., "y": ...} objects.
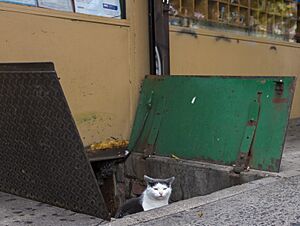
[
  {"x": 106, "y": 8},
  {"x": 22, "y": 2},
  {"x": 64, "y": 5},
  {"x": 274, "y": 19}
]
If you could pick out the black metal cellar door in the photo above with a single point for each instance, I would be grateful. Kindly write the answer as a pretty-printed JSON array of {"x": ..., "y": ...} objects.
[{"x": 41, "y": 154}]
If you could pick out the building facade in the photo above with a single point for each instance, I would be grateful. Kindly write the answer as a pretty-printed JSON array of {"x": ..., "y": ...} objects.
[{"x": 102, "y": 61}]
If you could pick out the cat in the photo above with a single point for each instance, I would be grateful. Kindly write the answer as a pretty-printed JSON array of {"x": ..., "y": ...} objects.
[{"x": 156, "y": 195}]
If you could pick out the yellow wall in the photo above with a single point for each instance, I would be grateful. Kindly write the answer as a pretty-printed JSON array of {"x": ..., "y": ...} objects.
[
  {"x": 101, "y": 62},
  {"x": 202, "y": 54}
]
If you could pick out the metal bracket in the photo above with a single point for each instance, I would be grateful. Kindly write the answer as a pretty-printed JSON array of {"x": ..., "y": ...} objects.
[
  {"x": 249, "y": 134},
  {"x": 155, "y": 126}
]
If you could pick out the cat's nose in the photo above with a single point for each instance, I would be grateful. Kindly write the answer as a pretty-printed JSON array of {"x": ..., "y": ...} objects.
[{"x": 160, "y": 193}]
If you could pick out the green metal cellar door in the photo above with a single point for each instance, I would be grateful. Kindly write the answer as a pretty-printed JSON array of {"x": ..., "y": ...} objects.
[{"x": 237, "y": 121}]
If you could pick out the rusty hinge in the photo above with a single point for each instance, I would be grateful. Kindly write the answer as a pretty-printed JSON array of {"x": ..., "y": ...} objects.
[{"x": 249, "y": 135}]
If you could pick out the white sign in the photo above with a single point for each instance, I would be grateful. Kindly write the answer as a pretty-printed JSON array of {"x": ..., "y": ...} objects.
[
  {"x": 23, "y": 2},
  {"x": 111, "y": 8},
  {"x": 108, "y": 8},
  {"x": 64, "y": 5}
]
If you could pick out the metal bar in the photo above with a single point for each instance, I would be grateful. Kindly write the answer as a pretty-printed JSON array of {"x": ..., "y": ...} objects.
[
  {"x": 123, "y": 9},
  {"x": 159, "y": 37},
  {"x": 297, "y": 36}
]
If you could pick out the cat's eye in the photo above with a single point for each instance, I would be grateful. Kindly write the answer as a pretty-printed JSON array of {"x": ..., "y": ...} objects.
[
  {"x": 155, "y": 189},
  {"x": 165, "y": 188}
]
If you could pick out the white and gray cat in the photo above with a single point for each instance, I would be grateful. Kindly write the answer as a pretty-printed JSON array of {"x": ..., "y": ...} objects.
[{"x": 156, "y": 195}]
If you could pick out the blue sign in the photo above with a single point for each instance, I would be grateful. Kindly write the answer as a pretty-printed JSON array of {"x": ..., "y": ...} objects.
[{"x": 109, "y": 6}]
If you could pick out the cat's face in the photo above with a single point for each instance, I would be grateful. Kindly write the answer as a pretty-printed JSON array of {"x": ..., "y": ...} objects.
[{"x": 159, "y": 188}]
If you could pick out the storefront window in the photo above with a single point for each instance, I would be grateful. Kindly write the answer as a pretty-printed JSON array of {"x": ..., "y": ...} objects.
[
  {"x": 106, "y": 8},
  {"x": 275, "y": 19}
]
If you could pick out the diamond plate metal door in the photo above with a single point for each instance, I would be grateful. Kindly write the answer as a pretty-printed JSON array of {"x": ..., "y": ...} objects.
[{"x": 41, "y": 154}]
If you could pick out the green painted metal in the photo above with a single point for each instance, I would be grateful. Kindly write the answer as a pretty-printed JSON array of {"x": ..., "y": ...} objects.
[
  {"x": 209, "y": 117},
  {"x": 245, "y": 148}
]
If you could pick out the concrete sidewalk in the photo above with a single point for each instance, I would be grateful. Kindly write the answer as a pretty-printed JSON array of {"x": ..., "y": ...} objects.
[
  {"x": 270, "y": 201},
  {"x": 18, "y": 211},
  {"x": 275, "y": 203}
]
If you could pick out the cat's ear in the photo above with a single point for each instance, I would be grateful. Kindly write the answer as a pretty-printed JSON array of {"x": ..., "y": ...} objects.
[
  {"x": 170, "y": 180},
  {"x": 148, "y": 180}
]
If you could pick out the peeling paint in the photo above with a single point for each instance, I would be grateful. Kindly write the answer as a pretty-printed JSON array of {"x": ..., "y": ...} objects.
[
  {"x": 193, "y": 100},
  {"x": 280, "y": 100}
]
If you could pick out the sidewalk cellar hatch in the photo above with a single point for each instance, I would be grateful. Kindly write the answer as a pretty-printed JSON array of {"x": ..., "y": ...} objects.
[{"x": 207, "y": 131}]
